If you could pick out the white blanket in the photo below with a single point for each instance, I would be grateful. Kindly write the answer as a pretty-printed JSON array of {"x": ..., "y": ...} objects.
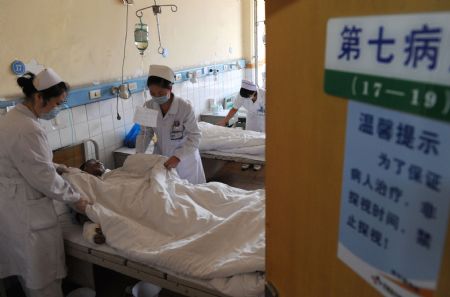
[
  {"x": 208, "y": 231},
  {"x": 231, "y": 140}
]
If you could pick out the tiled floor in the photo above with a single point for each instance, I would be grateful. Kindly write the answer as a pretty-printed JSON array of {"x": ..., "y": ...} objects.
[{"x": 231, "y": 174}]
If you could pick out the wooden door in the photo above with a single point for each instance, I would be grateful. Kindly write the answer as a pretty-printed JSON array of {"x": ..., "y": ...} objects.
[{"x": 305, "y": 149}]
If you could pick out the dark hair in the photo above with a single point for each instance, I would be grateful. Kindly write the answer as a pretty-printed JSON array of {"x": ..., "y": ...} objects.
[
  {"x": 83, "y": 166},
  {"x": 26, "y": 83},
  {"x": 55, "y": 91},
  {"x": 246, "y": 93},
  {"x": 156, "y": 80}
]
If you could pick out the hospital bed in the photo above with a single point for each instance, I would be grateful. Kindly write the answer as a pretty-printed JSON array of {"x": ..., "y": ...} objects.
[
  {"x": 232, "y": 144},
  {"x": 105, "y": 256},
  {"x": 218, "y": 143},
  {"x": 239, "y": 158},
  {"x": 76, "y": 247},
  {"x": 122, "y": 153}
]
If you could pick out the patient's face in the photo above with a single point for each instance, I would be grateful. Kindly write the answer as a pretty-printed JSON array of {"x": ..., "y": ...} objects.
[{"x": 95, "y": 167}]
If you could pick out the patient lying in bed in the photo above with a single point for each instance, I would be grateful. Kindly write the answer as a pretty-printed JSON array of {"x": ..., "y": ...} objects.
[
  {"x": 148, "y": 214},
  {"x": 94, "y": 167},
  {"x": 91, "y": 232}
]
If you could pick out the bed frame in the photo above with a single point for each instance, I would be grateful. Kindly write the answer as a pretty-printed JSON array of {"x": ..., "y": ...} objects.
[
  {"x": 74, "y": 156},
  {"x": 222, "y": 157},
  {"x": 136, "y": 270},
  {"x": 122, "y": 153}
]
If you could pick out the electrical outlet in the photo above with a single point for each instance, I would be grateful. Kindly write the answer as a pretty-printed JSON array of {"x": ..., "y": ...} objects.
[
  {"x": 94, "y": 94},
  {"x": 225, "y": 67},
  {"x": 132, "y": 86},
  {"x": 178, "y": 77}
]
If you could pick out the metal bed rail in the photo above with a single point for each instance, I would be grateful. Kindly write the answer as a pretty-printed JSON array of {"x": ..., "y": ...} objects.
[
  {"x": 231, "y": 158},
  {"x": 139, "y": 271}
]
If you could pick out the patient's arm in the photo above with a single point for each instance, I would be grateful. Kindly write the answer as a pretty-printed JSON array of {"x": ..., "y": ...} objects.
[
  {"x": 99, "y": 237},
  {"x": 93, "y": 233}
]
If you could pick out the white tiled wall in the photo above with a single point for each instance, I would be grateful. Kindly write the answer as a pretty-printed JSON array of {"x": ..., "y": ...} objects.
[
  {"x": 98, "y": 121},
  {"x": 210, "y": 87}
]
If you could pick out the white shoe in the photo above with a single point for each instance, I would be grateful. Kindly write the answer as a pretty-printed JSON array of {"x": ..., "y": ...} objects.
[
  {"x": 257, "y": 167},
  {"x": 245, "y": 166}
]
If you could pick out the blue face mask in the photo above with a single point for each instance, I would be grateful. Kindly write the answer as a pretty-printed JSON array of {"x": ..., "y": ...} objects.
[
  {"x": 51, "y": 114},
  {"x": 162, "y": 99}
]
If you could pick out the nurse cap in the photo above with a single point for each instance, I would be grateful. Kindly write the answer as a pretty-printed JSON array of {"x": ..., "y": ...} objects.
[
  {"x": 248, "y": 85},
  {"x": 45, "y": 79},
  {"x": 163, "y": 72}
]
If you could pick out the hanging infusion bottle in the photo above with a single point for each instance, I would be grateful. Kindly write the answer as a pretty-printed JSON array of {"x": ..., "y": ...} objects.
[{"x": 141, "y": 37}]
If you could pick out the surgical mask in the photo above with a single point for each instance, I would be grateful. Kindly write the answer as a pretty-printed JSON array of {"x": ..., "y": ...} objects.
[
  {"x": 51, "y": 114},
  {"x": 249, "y": 96},
  {"x": 162, "y": 99}
]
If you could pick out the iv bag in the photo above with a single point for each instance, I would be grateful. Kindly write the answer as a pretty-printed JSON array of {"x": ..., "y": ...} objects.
[{"x": 141, "y": 37}]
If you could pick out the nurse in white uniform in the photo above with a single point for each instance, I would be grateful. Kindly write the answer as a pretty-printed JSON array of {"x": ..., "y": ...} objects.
[
  {"x": 177, "y": 132},
  {"x": 31, "y": 243},
  {"x": 253, "y": 99}
]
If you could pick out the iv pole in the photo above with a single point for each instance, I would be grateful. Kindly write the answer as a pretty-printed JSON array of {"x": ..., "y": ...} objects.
[
  {"x": 157, "y": 10},
  {"x": 255, "y": 7}
]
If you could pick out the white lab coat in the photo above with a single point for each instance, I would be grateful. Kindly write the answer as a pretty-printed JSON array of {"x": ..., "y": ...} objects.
[
  {"x": 256, "y": 111},
  {"x": 177, "y": 135},
  {"x": 31, "y": 243}
]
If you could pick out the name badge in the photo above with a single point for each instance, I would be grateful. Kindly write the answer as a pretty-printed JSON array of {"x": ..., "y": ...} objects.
[{"x": 177, "y": 131}]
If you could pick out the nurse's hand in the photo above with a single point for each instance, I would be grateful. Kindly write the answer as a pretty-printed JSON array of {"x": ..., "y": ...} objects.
[
  {"x": 61, "y": 168},
  {"x": 172, "y": 162},
  {"x": 80, "y": 205}
]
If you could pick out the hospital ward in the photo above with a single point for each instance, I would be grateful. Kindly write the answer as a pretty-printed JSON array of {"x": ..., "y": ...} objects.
[{"x": 225, "y": 148}]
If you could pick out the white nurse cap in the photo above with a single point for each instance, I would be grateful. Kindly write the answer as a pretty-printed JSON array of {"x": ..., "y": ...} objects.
[
  {"x": 163, "y": 72},
  {"x": 45, "y": 79},
  {"x": 248, "y": 85}
]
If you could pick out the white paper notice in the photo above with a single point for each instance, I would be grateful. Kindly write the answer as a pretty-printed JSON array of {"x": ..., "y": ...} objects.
[{"x": 145, "y": 116}]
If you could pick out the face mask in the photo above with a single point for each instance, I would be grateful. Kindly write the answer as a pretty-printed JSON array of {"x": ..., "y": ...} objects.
[
  {"x": 247, "y": 98},
  {"x": 162, "y": 99},
  {"x": 51, "y": 114}
]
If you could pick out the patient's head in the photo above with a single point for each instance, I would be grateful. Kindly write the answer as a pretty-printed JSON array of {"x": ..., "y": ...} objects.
[{"x": 93, "y": 167}]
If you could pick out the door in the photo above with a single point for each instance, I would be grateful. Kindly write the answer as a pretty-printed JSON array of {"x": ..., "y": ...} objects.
[{"x": 305, "y": 149}]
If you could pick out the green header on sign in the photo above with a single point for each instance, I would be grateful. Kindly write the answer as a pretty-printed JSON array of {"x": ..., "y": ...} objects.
[{"x": 424, "y": 99}]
